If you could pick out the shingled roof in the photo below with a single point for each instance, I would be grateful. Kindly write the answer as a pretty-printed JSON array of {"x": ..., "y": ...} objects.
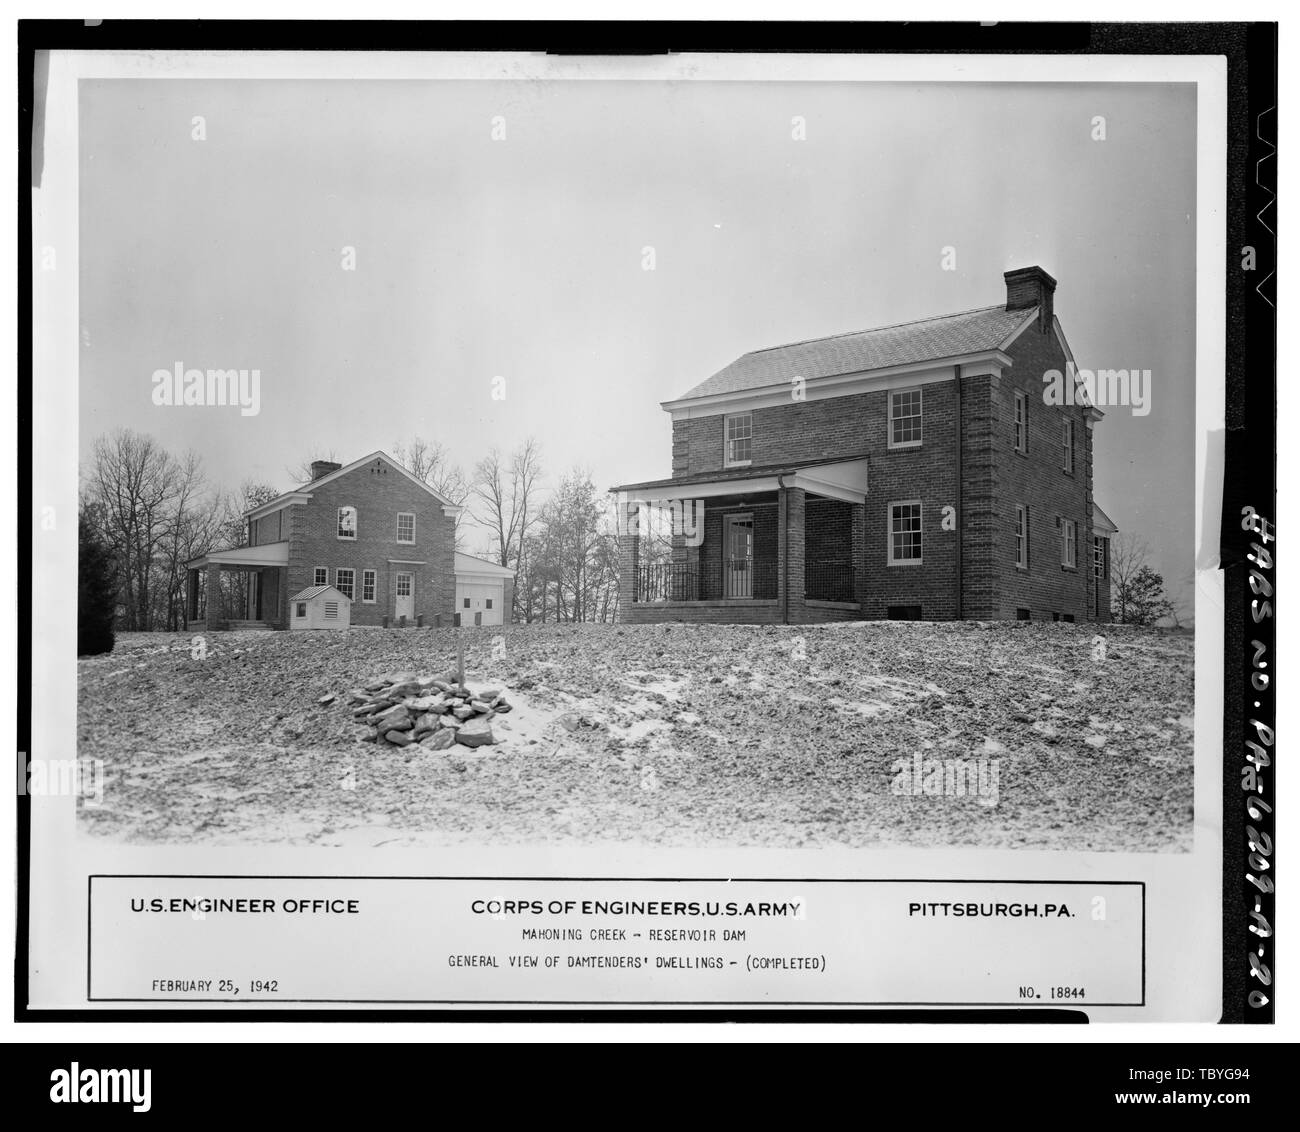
[{"x": 944, "y": 336}]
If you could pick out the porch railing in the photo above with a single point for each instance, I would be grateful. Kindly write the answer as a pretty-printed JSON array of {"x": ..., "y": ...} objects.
[
  {"x": 829, "y": 581},
  {"x": 739, "y": 579},
  {"x": 667, "y": 581}
]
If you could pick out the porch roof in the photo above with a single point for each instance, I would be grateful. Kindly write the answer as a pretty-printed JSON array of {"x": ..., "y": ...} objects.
[
  {"x": 844, "y": 479},
  {"x": 253, "y": 557}
]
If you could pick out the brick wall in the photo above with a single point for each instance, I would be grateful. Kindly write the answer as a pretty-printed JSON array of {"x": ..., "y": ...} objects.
[
  {"x": 378, "y": 497},
  {"x": 980, "y": 510},
  {"x": 1037, "y": 481}
]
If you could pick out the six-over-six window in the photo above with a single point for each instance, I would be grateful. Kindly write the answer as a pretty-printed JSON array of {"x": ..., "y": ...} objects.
[
  {"x": 1069, "y": 540},
  {"x": 905, "y": 532},
  {"x": 905, "y": 418},
  {"x": 345, "y": 582},
  {"x": 739, "y": 437},
  {"x": 1022, "y": 536}
]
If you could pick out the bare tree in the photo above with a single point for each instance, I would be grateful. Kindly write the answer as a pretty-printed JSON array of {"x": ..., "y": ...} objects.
[
  {"x": 577, "y": 551},
  {"x": 138, "y": 493},
  {"x": 1138, "y": 590},
  {"x": 428, "y": 461},
  {"x": 505, "y": 494}
]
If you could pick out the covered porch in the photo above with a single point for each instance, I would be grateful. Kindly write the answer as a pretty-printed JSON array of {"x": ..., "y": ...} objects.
[
  {"x": 779, "y": 545},
  {"x": 265, "y": 602}
]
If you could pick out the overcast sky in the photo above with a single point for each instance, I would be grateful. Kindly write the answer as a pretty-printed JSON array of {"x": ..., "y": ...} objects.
[{"x": 522, "y": 258}]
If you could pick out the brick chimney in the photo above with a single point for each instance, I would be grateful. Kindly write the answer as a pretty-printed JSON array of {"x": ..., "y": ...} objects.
[
  {"x": 321, "y": 468},
  {"x": 1031, "y": 287}
]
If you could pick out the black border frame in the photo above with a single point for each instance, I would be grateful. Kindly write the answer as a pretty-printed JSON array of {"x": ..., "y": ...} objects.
[{"x": 1250, "y": 50}]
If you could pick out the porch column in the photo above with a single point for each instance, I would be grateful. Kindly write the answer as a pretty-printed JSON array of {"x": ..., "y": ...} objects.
[
  {"x": 858, "y": 550},
  {"x": 790, "y": 553},
  {"x": 688, "y": 535},
  {"x": 629, "y": 556},
  {"x": 216, "y": 614}
]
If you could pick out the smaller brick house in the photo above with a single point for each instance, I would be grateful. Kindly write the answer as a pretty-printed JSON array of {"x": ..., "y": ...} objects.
[
  {"x": 372, "y": 530},
  {"x": 915, "y": 471}
]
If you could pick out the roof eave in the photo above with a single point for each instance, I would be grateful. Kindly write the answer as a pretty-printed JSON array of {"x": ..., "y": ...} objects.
[{"x": 828, "y": 381}]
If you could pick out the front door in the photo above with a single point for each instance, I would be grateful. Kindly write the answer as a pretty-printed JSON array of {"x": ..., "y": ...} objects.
[
  {"x": 738, "y": 556},
  {"x": 404, "y": 588}
]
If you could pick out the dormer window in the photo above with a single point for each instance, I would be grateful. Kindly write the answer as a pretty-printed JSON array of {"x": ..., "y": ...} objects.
[
  {"x": 347, "y": 523},
  {"x": 739, "y": 431}
]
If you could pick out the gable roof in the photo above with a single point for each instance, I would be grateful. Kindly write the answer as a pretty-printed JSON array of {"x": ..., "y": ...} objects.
[
  {"x": 315, "y": 591},
  {"x": 1101, "y": 521},
  {"x": 303, "y": 494},
  {"x": 906, "y": 343},
  {"x": 469, "y": 564}
]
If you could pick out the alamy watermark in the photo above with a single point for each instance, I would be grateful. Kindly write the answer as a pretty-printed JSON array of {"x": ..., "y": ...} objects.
[
  {"x": 919, "y": 777},
  {"x": 675, "y": 518},
  {"x": 78, "y": 778},
  {"x": 1103, "y": 388},
  {"x": 181, "y": 386}
]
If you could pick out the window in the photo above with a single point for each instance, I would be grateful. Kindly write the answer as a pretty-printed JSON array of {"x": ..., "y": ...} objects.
[
  {"x": 331, "y": 609},
  {"x": 1067, "y": 447},
  {"x": 347, "y": 522},
  {"x": 905, "y": 418},
  {"x": 302, "y": 609},
  {"x": 1100, "y": 555},
  {"x": 489, "y": 603},
  {"x": 1022, "y": 614},
  {"x": 739, "y": 433},
  {"x": 321, "y": 576},
  {"x": 905, "y": 533},
  {"x": 344, "y": 581},
  {"x": 368, "y": 585},
  {"x": 1022, "y": 423},
  {"x": 403, "y": 585},
  {"x": 467, "y": 603},
  {"x": 1022, "y": 536},
  {"x": 903, "y": 613},
  {"x": 405, "y": 527},
  {"x": 1068, "y": 553},
  {"x": 1068, "y": 618}
]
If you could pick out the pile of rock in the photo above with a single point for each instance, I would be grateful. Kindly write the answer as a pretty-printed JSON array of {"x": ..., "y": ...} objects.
[{"x": 401, "y": 709}]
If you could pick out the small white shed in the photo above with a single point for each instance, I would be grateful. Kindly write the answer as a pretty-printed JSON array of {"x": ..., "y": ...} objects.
[
  {"x": 484, "y": 591},
  {"x": 320, "y": 607}
]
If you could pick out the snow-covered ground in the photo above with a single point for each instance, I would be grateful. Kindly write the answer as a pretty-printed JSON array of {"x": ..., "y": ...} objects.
[{"x": 1004, "y": 735}]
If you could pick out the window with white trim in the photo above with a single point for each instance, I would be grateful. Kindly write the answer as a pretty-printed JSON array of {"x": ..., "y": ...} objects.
[
  {"x": 406, "y": 526},
  {"x": 1069, "y": 552},
  {"x": 302, "y": 609},
  {"x": 739, "y": 432},
  {"x": 905, "y": 532},
  {"x": 368, "y": 586},
  {"x": 1021, "y": 427},
  {"x": 321, "y": 576},
  {"x": 904, "y": 418},
  {"x": 404, "y": 585},
  {"x": 1022, "y": 536},
  {"x": 345, "y": 582},
  {"x": 347, "y": 522},
  {"x": 1067, "y": 446}
]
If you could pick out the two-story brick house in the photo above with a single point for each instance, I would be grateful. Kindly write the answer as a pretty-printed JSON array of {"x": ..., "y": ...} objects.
[
  {"x": 910, "y": 471},
  {"x": 372, "y": 530}
]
